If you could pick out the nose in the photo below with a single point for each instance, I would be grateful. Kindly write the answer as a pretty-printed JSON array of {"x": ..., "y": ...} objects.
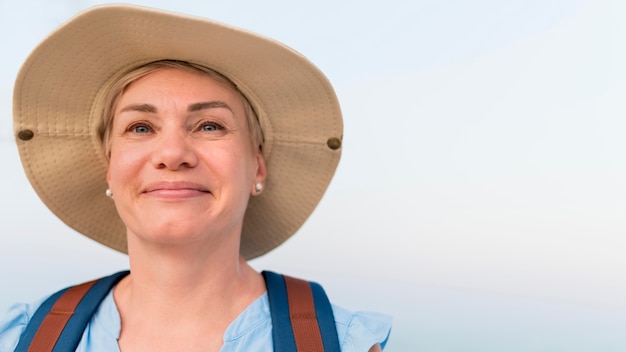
[{"x": 174, "y": 151}]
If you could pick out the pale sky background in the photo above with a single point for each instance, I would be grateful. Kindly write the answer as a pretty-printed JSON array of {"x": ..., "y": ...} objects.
[{"x": 481, "y": 196}]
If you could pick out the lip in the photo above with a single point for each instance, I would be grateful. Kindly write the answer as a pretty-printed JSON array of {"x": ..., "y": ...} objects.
[{"x": 175, "y": 189}]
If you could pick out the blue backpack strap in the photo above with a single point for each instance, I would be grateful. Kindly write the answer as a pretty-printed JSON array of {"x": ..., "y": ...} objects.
[
  {"x": 294, "y": 304},
  {"x": 282, "y": 332},
  {"x": 325, "y": 318},
  {"x": 302, "y": 317},
  {"x": 59, "y": 322}
]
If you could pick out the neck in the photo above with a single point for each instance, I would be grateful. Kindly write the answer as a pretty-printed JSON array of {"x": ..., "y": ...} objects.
[{"x": 184, "y": 285}]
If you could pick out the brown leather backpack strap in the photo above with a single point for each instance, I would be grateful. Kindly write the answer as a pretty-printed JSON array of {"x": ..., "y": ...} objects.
[
  {"x": 306, "y": 331},
  {"x": 302, "y": 316},
  {"x": 59, "y": 322},
  {"x": 61, "y": 312}
]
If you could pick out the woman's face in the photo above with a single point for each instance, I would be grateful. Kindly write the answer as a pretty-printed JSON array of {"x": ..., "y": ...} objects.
[{"x": 182, "y": 166}]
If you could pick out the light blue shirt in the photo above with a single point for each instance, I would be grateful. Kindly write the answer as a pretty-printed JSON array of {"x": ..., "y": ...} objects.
[{"x": 251, "y": 331}]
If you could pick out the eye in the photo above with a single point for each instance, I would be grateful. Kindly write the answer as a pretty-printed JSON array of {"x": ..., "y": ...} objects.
[
  {"x": 209, "y": 126},
  {"x": 140, "y": 128}
]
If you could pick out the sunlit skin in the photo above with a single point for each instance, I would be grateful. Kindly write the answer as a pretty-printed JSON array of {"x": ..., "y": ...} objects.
[{"x": 182, "y": 168}]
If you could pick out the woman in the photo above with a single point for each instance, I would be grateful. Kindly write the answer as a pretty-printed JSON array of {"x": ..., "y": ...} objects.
[{"x": 213, "y": 144}]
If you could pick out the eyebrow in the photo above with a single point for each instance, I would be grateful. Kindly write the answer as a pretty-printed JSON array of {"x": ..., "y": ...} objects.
[
  {"x": 208, "y": 105},
  {"x": 140, "y": 108},
  {"x": 192, "y": 108}
]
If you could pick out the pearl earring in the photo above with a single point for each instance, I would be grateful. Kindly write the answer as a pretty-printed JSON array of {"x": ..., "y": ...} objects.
[
  {"x": 109, "y": 193},
  {"x": 258, "y": 187}
]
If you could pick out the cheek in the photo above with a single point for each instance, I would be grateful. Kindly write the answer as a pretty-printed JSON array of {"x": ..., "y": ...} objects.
[
  {"x": 123, "y": 165},
  {"x": 233, "y": 167},
  {"x": 245, "y": 162}
]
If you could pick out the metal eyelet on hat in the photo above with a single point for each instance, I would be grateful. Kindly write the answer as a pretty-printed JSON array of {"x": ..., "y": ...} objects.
[
  {"x": 25, "y": 135},
  {"x": 333, "y": 143}
]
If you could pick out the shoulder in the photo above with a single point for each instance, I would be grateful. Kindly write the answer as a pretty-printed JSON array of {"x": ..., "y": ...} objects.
[
  {"x": 100, "y": 334},
  {"x": 14, "y": 322},
  {"x": 358, "y": 331}
]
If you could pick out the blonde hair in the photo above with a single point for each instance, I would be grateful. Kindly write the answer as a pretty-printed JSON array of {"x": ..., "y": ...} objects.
[{"x": 119, "y": 86}]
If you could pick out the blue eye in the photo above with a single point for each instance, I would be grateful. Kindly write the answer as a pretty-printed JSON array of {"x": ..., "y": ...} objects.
[
  {"x": 210, "y": 126},
  {"x": 141, "y": 129}
]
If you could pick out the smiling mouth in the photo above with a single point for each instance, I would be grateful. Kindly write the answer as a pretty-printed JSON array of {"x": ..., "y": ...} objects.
[{"x": 176, "y": 190}]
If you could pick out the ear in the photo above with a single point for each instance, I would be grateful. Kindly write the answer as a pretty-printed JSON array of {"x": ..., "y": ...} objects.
[
  {"x": 108, "y": 177},
  {"x": 261, "y": 174}
]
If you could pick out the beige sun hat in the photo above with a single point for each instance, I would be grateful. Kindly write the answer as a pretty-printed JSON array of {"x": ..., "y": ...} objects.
[{"x": 58, "y": 106}]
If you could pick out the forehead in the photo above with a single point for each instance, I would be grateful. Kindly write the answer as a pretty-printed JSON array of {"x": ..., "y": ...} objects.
[{"x": 179, "y": 84}]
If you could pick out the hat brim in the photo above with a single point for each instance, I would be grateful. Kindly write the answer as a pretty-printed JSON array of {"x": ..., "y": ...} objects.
[{"x": 58, "y": 96}]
